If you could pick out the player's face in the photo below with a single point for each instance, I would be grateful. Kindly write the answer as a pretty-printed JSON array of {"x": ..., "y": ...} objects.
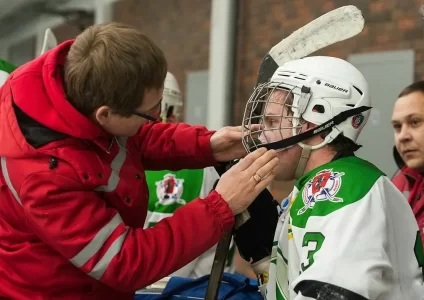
[
  {"x": 118, "y": 125},
  {"x": 408, "y": 125},
  {"x": 276, "y": 127}
]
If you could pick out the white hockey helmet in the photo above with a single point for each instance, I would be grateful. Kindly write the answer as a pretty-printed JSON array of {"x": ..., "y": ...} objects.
[
  {"x": 326, "y": 91},
  {"x": 172, "y": 101}
]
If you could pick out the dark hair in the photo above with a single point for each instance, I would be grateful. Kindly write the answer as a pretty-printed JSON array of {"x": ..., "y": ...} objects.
[
  {"x": 417, "y": 86},
  {"x": 343, "y": 144}
]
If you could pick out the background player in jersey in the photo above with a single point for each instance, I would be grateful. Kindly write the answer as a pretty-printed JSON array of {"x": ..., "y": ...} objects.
[
  {"x": 5, "y": 69},
  {"x": 408, "y": 127},
  {"x": 347, "y": 233},
  {"x": 170, "y": 190}
]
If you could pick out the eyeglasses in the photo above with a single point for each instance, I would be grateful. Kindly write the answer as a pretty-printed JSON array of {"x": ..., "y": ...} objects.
[{"x": 147, "y": 117}]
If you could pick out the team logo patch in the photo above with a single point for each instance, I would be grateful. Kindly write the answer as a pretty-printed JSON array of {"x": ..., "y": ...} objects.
[
  {"x": 169, "y": 190},
  {"x": 357, "y": 120},
  {"x": 323, "y": 187}
]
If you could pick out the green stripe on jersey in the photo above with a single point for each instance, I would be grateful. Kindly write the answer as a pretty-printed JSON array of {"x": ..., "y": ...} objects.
[
  {"x": 6, "y": 66},
  {"x": 331, "y": 187}
]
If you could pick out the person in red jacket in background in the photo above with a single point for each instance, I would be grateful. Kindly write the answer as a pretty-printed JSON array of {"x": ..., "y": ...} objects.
[
  {"x": 77, "y": 130},
  {"x": 408, "y": 125}
]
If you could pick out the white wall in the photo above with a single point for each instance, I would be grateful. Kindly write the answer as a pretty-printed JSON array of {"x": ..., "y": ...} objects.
[{"x": 102, "y": 10}]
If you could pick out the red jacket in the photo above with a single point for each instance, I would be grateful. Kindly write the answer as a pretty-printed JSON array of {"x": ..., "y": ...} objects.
[
  {"x": 73, "y": 199},
  {"x": 411, "y": 184}
]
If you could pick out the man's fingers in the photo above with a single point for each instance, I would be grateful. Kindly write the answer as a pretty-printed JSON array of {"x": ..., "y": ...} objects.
[
  {"x": 235, "y": 128},
  {"x": 264, "y": 183},
  {"x": 251, "y": 158},
  {"x": 267, "y": 168},
  {"x": 262, "y": 161},
  {"x": 253, "y": 129},
  {"x": 233, "y": 134}
]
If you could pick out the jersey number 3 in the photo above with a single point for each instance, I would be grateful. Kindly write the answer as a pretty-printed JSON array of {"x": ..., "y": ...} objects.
[{"x": 314, "y": 241}]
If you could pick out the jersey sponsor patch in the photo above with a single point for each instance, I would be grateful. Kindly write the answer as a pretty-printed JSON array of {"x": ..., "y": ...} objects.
[
  {"x": 169, "y": 190},
  {"x": 323, "y": 187}
]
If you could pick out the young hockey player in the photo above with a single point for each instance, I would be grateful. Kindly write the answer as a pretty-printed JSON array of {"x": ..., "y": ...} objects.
[
  {"x": 347, "y": 232},
  {"x": 169, "y": 190}
]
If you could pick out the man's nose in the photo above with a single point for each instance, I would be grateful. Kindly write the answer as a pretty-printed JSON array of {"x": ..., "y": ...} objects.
[
  {"x": 262, "y": 137},
  {"x": 404, "y": 134}
]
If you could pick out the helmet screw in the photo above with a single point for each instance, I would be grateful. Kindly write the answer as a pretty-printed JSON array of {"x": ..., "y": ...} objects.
[{"x": 318, "y": 81}]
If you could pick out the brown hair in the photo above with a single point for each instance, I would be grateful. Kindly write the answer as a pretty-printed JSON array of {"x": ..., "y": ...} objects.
[
  {"x": 415, "y": 87},
  {"x": 112, "y": 64}
]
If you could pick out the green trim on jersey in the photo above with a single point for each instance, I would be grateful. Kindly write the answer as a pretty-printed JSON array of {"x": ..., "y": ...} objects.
[
  {"x": 6, "y": 66},
  {"x": 339, "y": 177},
  {"x": 191, "y": 180}
]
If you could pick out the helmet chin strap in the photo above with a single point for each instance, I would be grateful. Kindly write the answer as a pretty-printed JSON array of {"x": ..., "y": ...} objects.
[
  {"x": 307, "y": 149},
  {"x": 301, "y": 165}
]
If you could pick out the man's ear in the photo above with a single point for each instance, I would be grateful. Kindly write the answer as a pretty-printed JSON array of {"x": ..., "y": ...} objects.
[{"x": 103, "y": 114}]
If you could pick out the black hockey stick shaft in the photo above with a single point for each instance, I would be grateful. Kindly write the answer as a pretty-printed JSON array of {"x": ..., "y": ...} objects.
[{"x": 218, "y": 266}]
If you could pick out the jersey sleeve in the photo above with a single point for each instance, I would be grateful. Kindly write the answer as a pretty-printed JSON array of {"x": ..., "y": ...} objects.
[{"x": 344, "y": 253}]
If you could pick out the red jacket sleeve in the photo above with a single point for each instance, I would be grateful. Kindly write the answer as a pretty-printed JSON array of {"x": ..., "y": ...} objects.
[
  {"x": 93, "y": 237},
  {"x": 175, "y": 146}
]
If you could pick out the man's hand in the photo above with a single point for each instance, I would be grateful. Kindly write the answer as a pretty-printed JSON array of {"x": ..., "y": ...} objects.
[
  {"x": 241, "y": 184},
  {"x": 227, "y": 145}
]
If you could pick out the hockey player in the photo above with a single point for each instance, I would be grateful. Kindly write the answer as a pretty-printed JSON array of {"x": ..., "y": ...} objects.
[
  {"x": 5, "y": 69},
  {"x": 169, "y": 190},
  {"x": 78, "y": 128},
  {"x": 346, "y": 233},
  {"x": 408, "y": 127}
]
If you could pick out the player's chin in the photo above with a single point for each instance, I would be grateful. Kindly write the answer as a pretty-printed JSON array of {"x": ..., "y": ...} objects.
[{"x": 282, "y": 174}]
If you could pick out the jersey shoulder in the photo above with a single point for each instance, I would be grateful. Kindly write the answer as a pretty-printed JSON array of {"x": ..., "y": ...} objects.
[{"x": 331, "y": 187}]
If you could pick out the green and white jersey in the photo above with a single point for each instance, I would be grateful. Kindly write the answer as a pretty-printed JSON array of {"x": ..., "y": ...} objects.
[
  {"x": 349, "y": 234},
  {"x": 5, "y": 69},
  {"x": 170, "y": 190}
]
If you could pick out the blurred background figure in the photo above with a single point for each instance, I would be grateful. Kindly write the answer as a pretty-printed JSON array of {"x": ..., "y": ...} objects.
[
  {"x": 5, "y": 69},
  {"x": 170, "y": 190}
]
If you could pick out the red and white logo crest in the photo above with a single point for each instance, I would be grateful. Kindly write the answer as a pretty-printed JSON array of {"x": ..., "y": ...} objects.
[
  {"x": 169, "y": 190},
  {"x": 323, "y": 187}
]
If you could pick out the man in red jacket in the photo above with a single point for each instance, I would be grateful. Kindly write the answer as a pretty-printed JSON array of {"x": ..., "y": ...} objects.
[
  {"x": 408, "y": 125},
  {"x": 77, "y": 131}
]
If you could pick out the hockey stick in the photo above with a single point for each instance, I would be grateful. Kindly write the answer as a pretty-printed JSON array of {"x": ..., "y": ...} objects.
[
  {"x": 49, "y": 42},
  {"x": 335, "y": 26},
  {"x": 330, "y": 28}
]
